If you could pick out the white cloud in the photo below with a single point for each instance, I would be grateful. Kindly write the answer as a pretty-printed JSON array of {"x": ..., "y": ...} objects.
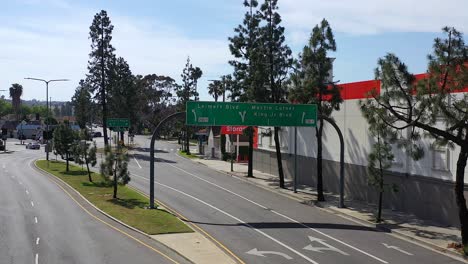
[
  {"x": 359, "y": 17},
  {"x": 55, "y": 47}
]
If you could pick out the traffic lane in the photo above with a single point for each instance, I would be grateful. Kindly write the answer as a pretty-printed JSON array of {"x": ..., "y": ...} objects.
[
  {"x": 269, "y": 226},
  {"x": 69, "y": 235},
  {"x": 16, "y": 220},
  {"x": 343, "y": 229},
  {"x": 237, "y": 237}
]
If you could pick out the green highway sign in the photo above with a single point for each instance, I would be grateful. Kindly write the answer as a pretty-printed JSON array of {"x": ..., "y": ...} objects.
[
  {"x": 250, "y": 114},
  {"x": 118, "y": 122}
]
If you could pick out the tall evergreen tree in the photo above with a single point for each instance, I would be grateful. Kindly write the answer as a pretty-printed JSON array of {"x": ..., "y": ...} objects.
[
  {"x": 82, "y": 104},
  {"x": 250, "y": 75},
  {"x": 436, "y": 107},
  {"x": 279, "y": 61},
  {"x": 122, "y": 93},
  {"x": 188, "y": 92},
  {"x": 311, "y": 83},
  {"x": 101, "y": 62},
  {"x": 64, "y": 138}
]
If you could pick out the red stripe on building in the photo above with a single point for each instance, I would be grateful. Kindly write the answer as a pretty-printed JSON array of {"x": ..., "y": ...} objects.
[{"x": 359, "y": 90}]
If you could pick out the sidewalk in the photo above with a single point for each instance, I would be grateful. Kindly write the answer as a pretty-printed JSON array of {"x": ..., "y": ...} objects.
[{"x": 405, "y": 225}]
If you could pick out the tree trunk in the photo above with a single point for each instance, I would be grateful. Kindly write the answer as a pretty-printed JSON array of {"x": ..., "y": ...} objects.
[
  {"x": 278, "y": 158},
  {"x": 87, "y": 167},
  {"x": 115, "y": 184},
  {"x": 187, "y": 140},
  {"x": 250, "y": 164},
  {"x": 381, "y": 183},
  {"x": 122, "y": 134},
  {"x": 459, "y": 193},
  {"x": 320, "y": 196},
  {"x": 103, "y": 90},
  {"x": 66, "y": 157}
]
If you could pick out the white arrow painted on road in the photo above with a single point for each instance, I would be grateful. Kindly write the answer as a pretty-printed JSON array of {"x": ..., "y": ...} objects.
[
  {"x": 255, "y": 252},
  {"x": 325, "y": 246},
  {"x": 398, "y": 249}
]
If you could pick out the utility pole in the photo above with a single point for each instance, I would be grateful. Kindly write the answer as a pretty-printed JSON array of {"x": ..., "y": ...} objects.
[{"x": 47, "y": 103}]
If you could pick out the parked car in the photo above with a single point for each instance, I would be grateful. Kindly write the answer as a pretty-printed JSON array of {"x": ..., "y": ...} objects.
[
  {"x": 96, "y": 134},
  {"x": 33, "y": 145}
]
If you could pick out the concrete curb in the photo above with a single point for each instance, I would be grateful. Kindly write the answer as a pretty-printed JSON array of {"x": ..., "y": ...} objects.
[
  {"x": 380, "y": 227},
  {"x": 111, "y": 217}
]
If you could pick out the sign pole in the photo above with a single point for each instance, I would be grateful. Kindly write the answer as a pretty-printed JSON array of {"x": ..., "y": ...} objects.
[
  {"x": 232, "y": 153},
  {"x": 295, "y": 160},
  {"x": 237, "y": 153}
]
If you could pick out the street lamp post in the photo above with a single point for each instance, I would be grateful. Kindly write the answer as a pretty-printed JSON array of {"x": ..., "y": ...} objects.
[{"x": 47, "y": 103}]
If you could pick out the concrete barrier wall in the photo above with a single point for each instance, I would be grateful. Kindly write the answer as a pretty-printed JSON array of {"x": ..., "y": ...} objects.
[{"x": 427, "y": 198}]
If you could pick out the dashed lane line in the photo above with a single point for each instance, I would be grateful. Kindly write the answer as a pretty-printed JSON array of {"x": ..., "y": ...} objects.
[
  {"x": 37, "y": 241},
  {"x": 109, "y": 225}
]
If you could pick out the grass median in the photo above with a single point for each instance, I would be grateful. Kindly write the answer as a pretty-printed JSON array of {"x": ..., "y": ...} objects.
[
  {"x": 129, "y": 207},
  {"x": 191, "y": 156}
]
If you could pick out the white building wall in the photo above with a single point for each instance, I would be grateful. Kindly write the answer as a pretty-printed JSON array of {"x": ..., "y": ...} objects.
[{"x": 438, "y": 164}]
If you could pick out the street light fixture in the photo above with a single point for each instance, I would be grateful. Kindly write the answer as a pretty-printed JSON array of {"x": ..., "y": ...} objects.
[{"x": 47, "y": 102}]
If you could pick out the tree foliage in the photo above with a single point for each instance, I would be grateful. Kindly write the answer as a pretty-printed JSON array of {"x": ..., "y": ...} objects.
[
  {"x": 64, "y": 138},
  {"x": 16, "y": 91},
  {"x": 187, "y": 92},
  {"x": 115, "y": 165},
  {"x": 311, "y": 83},
  {"x": 100, "y": 64},
  {"x": 435, "y": 107},
  {"x": 82, "y": 104},
  {"x": 83, "y": 153}
]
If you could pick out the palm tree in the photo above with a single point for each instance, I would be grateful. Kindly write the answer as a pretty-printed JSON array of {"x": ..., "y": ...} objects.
[
  {"x": 215, "y": 89},
  {"x": 16, "y": 91}
]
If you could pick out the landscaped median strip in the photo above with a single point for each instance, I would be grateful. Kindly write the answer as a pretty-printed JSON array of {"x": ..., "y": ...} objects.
[{"x": 130, "y": 207}]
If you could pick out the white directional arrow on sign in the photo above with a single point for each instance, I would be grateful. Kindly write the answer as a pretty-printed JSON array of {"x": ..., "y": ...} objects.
[
  {"x": 398, "y": 249},
  {"x": 255, "y": 252},
  {"x": 324, "y": 247}
]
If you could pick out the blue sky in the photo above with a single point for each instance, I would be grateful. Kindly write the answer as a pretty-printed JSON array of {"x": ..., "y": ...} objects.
[{"x": 49, "y": 38}]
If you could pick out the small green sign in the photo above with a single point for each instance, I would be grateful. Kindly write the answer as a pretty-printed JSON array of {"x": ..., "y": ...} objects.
[
  {"x": 118, "y": 122},
  {"x": 250, "y": 114}
]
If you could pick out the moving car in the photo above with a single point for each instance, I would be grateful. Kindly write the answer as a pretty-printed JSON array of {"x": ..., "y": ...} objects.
[{"x": 33, "y": 145}]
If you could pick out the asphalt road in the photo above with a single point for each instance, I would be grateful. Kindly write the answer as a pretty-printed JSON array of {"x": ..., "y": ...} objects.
[
  {"x": 43, "y": 222},
  {"x": 259, "y": 226}
]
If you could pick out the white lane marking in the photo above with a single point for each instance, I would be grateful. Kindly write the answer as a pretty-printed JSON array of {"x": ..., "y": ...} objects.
[
  {"x": 235, "y": 218},
  {"x": 37, "y": 241},
  {"x": 172, "y": 150},
  {"x": 137, "y": 162},
  {"x": 35, "y": 219},
  {"x": 397, "y": 249},
  {"x": 3, "y": 166},
  {"x": 27, "y": 192},
  {"x": 21, "y": 183},
  {"x": 259, "y": 253},
  {"x": 37, "y": 258},
  {"x": 165, "y": 149},
  {"x": 32, "y": 203},
  {"x": 324, "y": 247},
  {"x": 282, "y": 215}
]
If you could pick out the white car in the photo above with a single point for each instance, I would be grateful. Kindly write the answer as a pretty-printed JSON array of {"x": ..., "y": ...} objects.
[{"x": 33, "y": 145}]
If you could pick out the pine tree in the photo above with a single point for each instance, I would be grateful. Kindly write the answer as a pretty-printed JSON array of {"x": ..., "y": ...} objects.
[
  {"x": 115, "y": 164},
  {"x": 64, "y": 138},
  {"x": 188, "y": 92},
  {"x": 250, "y": 76},
  {"x": 279, "y": 60},
  {"x": 100, "y": 62},
  {"x": 381, "y": 155},
  {"x": 435, "y": 106},
  {"x": 123, "y": 94},
  {"x": 81, "y": 102},
  {"x": 311, "y": 84},
  {"x": 16, "y": 91}
]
